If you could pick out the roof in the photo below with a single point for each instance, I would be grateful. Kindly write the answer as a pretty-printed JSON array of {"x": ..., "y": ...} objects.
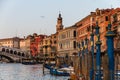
[
  {"x": 71, "y": 27},
  {"x": 8, "y": 38}
]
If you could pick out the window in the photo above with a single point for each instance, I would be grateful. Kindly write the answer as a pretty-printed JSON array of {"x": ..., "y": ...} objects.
[
  {"x": 60, "y": 46},
  {"x": 46, "y": 42},
  {"x": 106, "y": 28},
  {"x": 51, "y": 42},
  {"x": 106, "y": 18},
  {"x": 74, "y": 33},
  {"x": 93, "y": 19},
  {"x": 74, "y": 44},
  {"x": 54, "y": 42},
  {"x": 80, "y": 24}
]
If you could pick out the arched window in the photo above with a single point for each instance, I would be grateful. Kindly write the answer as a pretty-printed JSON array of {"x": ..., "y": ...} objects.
[
  {"x": 3, "y": 49},
  {"x": 15, "y": 52},
  {"x": 19, "y": 53},
  {"x": 11, "y": 51},
  {"x": 7, "y": 50},
  {"x": 23, "y": 54}
]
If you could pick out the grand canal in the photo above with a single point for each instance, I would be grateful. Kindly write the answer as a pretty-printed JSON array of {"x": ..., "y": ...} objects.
[{"x": 15, "y": 71}]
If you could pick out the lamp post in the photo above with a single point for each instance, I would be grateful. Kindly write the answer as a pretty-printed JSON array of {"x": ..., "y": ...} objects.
[
  {"x": 110, "y": 51},
  {"x": 98, "y": 53}
]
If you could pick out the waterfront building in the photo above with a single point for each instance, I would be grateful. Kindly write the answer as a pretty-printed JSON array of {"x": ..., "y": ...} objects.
[
  {"x": 27, "y": 44},
  {"x": 40, "y": 47},
  {"x": 103, "y": 16},
  {"x": 67, "y": 41},
  {"x": 54, "y": 38},
  {"x": 32, "y": 44},
  {"x": 35, "y": 50},
  {"x": 47, "y": 45},
  {"x": 39, "y": 41},
  {"x": 84, "y": 28},
  {"x": 10, "y": 42},
  {"x": 50, "y": 44},
  {"x": 66, "y": 38},
  {"x": 22, "y": 44}
]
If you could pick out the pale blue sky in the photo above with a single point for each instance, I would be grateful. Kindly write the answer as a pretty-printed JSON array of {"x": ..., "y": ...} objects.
[{"x": 24, "y": 17}]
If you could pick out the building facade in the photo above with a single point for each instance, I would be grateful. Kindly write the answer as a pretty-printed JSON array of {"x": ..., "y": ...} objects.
[
  {"x": 67, "y": 41},
  {"x": 47, "y": 45},
  {"x": 10, "y": 42},
  {"x": 103, "y": 17},
  {"x": 54, "y": 42},
  {"x": 22, "y": 44},
  {"x": 32, "y": 44}
]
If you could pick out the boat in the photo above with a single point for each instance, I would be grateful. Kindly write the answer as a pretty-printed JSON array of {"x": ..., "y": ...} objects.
[
  {"x": 48, "y": 66},
  {"x": 28, "y": 62},
  {"x": 67, "y": 69},
  {"x": 57, "y": 72}
]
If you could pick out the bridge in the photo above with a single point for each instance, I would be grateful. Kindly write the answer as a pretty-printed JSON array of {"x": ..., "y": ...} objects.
[{"x": 12, "y": 54}]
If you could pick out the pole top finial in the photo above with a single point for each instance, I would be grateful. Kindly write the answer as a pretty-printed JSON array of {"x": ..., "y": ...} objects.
[
  {"x": 109, "y": 25},
  {"x": 59, "y": 17},
  {"x": 97, "y": 22}
]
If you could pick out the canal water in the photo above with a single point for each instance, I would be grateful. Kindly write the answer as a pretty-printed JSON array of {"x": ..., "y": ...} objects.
[{"x": 15, "y": 71}]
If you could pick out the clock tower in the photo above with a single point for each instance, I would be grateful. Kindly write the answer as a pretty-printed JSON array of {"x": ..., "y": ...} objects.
[{"x": 59, "y": 25}]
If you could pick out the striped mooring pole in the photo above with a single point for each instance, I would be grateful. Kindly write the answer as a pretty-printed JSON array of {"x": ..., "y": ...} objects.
[
  {"x": 98, "y": 53},
  {"x": 110, "y": 51},
  {"x": 92, "y": 51}
]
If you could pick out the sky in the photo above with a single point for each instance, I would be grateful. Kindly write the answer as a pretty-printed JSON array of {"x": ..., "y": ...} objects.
[{"x": 23, "y": 17}]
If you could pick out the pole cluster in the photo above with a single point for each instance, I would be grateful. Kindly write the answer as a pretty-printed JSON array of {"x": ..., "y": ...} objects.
[{"x": 88, "y": 69}]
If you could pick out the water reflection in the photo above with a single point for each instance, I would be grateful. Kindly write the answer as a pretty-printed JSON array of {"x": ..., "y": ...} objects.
[{"x": 25, "y": 72}]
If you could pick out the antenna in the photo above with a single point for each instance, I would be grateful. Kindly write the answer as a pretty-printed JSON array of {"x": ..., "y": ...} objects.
[
  {"x": 59, "y": 12},
  {"x": 40, "y": 31},
  {"x": 111, "y": 13},
  {"x": 111, "y": 6},
  {"x": 16, "y": 33}
]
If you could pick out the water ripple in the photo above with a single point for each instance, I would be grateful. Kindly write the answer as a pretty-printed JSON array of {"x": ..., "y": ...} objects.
[{"x": 25, "y": 72}]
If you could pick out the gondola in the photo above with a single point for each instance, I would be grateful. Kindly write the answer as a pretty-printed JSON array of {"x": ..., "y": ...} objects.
[{"x": 56, "y": 72}]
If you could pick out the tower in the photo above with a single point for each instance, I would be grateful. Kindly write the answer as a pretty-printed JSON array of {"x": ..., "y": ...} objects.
[{"x": 59, "y": 25}]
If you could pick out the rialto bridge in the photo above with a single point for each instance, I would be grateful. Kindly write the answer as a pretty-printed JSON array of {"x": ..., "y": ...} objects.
[{"x": 11, "y": 54}]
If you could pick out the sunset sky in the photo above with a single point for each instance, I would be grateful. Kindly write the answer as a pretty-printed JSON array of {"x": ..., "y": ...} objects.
[{"x": 23, "y": 17}]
